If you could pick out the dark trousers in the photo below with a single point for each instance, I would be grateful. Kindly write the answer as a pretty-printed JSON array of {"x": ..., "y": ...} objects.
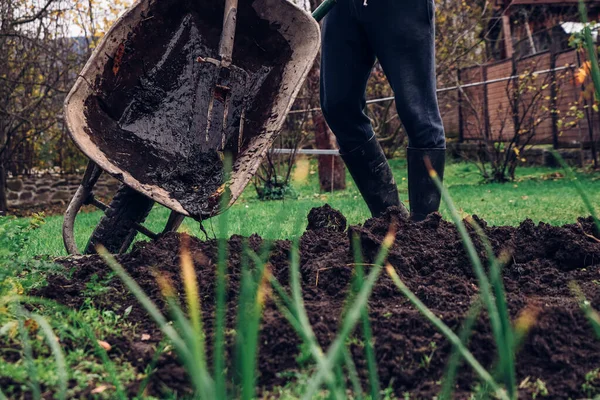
[{"x": 400, "y": 34}]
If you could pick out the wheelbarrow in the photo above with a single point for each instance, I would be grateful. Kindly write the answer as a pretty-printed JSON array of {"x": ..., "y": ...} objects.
[{"x": 174, "y": 88}]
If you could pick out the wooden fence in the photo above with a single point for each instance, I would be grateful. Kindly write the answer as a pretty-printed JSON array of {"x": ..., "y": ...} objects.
[{"x": 487, "y": 111}]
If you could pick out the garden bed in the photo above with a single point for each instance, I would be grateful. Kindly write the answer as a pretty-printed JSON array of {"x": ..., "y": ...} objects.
[{"x": 558, "y": 353}]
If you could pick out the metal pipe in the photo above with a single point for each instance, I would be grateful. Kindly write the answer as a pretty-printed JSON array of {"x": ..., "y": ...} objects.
[
  {"x": 451, "y": 88},
  {"x": 318, "y": 152}
]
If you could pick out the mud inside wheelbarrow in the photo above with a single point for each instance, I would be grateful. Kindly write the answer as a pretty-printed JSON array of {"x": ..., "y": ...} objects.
[{"x": 140, "y": 108}]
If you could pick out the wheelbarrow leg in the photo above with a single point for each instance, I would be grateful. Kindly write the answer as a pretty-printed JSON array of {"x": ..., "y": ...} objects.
[
  {"x": 173, "y": 223},
  {"x": 84, "y": 191}
]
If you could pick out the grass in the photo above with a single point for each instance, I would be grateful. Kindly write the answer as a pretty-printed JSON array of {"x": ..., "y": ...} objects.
[{"x": 535, "y": 194}]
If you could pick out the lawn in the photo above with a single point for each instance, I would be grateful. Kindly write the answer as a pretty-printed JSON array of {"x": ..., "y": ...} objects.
[{"x": 538, "y": 193}]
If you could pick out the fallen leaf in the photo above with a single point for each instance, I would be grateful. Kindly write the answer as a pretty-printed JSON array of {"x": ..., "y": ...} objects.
[
  {"x": 105, "y": 345},
  {"x": 145, "y": 336},
  {"x": 524, "y": 197},
  {"x": 582, "y": 73},
  {"x": 31, "y": 325},
  {"x": 99, "y": 389}
]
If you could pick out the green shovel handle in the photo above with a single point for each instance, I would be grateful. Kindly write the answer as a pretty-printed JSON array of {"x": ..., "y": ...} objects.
[{"x": 323, "y": 9}]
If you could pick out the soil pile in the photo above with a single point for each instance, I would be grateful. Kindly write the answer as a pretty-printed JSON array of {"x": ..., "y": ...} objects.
[{"x": 560, "y": 349}]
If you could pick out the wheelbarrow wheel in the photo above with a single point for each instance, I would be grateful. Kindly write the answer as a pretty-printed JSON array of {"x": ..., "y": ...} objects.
[{"x": 116, "y": 230}]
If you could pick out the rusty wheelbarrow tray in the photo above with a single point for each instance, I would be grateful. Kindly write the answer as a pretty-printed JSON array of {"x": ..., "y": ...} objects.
[{"x": 155, "y": 107}]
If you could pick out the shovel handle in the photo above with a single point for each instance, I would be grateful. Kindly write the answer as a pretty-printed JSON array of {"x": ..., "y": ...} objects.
[
  {"x": 323, "y": 9},
  {"x": 228, "y": 33}
]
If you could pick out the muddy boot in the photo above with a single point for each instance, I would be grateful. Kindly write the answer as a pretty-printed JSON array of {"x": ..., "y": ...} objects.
[
  {"x": 424, "y": 197},
  {"x": 373, "y": 177}
]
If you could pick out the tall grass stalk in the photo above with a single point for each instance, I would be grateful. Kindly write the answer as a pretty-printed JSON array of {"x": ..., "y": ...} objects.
[
  {"x": 585, "y": 305},
  {"x": 34, "y": 382},
  {"x": 220, "y": 291},
  {"x": 53, "y": 344},
  {"x": 455, "y": 356},
  {"x": 184, "y": 347},
  {"x": 196, "y": 367},
  {"x": 507, "y": 362},
  {"x": 194, "y": 307},
  {"x": 349, "y": 322},
  {"x": 304, "y": 323},
  {"x": 444, "y": 329},
  {"x": 351, "y": 318},
  {"x": 59, "y": 358},
  {"x": 252, "y": 298},
  {"x": 366, "y": 324},
  {"x": 353, "y": 375},
  {"x": 503, "y": 342}
]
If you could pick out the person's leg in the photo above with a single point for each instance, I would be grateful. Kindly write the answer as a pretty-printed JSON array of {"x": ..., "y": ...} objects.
[
  {"x": 402, "y": 34},
  {"x": 346, "y": 63}
]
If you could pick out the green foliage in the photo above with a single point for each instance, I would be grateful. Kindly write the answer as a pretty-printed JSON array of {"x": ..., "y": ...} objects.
[
  {"x": 19, "y": 273},
  {"x": 591, "y": 386},
  {"x": 275, "y": 190},
  {"x": 536, "y": 388}
]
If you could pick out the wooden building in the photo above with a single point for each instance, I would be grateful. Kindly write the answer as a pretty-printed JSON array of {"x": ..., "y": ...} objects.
[{"x": 524, "y": 36}]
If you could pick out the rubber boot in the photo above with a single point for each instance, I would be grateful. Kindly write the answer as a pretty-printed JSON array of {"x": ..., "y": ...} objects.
[
  {"x": 373, "y": 177},
  {"x": 424, "y": 196}
]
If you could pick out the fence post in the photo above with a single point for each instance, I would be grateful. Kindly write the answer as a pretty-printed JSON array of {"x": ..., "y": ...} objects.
[
  {"x": 486, "y": 108},
  {"x": 461, "y": 134},
  {"x": 553, "y": 96}
]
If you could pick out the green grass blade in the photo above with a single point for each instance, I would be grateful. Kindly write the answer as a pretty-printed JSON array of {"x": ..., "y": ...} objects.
[
  {"x": 455, "y": 356},
  {"x": 220, "y": 292},
  {"x": 585, "y": 305},
  {"x": 61, "y": 365},
  {"x": 351, "y": 317},
  {"x": 446, "y": 331},
  {"x": 196, "y": 368},
  {"x": 506, "y": 356},
  {"x": 304, "y": 323},
  {"x": 374, "y": 385},
  {"x": 34, "y": 382},
  {"x": 484, "y": 284},
  {"x": 150, "y": 368},
  {"x": 579, "y": 188},
  {"x": 184, "y": 348},
  {"x": 142, "y": 298},
  {"x": 194, "y": 307},
  {"x": 353, "y": 375},
  {"x": 2, "y": 395},
  {"x": 306, "y": 335},
  {"x": 252, "y": 295},
  {"x": 348, "y": 324}
]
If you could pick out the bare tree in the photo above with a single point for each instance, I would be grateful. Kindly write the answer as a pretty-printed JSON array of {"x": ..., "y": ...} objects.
[{"x": 38, "y": 63}]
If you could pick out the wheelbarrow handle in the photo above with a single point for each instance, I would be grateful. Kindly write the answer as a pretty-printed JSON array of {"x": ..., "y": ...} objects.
[
  {"x": 228, "y": 34},
  {"x": 323, "y": 9}
]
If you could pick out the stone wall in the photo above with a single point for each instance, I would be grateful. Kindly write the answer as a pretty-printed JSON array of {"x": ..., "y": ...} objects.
[{"x": 36, "y": 190}]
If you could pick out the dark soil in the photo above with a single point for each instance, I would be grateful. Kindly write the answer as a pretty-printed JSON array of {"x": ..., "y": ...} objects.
[
  {"x": 150, "y": 112},
  {"x": 429, "y": 257}
]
